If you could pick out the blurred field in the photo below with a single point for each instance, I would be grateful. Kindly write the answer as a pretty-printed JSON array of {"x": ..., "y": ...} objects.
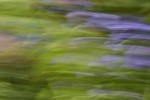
[{"x": 38, "y": 63}]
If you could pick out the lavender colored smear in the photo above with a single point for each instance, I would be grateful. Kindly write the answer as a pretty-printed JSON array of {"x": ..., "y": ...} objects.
[
  {"x": 79, "y": 14},
  {"x": 120, "y": 35},
  {"x": 140, "y": 37},
  {"x": 138, "y": 50},
  {"x": 137, "y": 61},
  {"x": 119, "y": 25},
  {"x": 109, "y": 60}
]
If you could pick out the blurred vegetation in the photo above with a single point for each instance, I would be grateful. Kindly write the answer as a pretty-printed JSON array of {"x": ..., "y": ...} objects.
[{"x": 27, "y": 71}]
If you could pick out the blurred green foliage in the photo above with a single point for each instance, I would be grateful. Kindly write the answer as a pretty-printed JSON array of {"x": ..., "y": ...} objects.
[{"x": 28, "y": 74}]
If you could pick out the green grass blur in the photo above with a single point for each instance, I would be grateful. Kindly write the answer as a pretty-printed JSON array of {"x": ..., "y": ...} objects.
[{"x": 28, "y": 74}]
